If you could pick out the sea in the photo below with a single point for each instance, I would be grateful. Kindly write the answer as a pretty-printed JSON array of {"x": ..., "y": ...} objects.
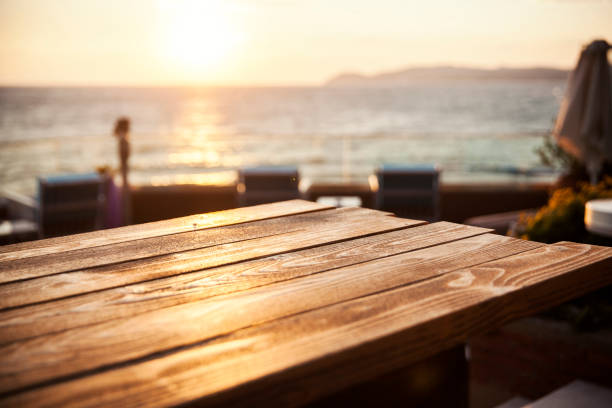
[{"x": 483, "y": 131}]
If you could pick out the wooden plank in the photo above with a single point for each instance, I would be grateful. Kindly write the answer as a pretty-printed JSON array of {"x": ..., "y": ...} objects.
[
  {"x": 294, "y": 360},
  {"x": 303, "y": 231},
  {"x": 50, "y": 264},
  {"x": 49, "y": 317},
  {"x": 160, "y": 228},
  {"x": 27, "y": 362}
]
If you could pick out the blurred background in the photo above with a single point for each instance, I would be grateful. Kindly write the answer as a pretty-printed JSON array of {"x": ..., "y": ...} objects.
[{"x": 334, "y": 88}]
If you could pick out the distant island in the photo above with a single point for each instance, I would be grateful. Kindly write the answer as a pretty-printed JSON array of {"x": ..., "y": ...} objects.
[{"x": 412, "y": 75}]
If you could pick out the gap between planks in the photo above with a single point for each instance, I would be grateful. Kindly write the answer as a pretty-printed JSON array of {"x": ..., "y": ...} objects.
[
  {"x": 158, "y": 228},
  {"x": 304, "y": 233},
  {"x": 28, "y": 268}
]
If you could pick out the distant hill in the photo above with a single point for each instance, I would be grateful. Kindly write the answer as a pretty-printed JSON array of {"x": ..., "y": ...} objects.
[{"x": 412, "y": 75}]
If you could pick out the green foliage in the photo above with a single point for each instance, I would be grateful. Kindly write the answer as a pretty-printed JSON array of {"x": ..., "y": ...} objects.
[
  {"x": 562, "y": 219},
  {"x": 551, "y": 154}
]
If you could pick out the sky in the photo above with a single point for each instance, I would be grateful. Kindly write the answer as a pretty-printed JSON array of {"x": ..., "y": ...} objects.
[{"x": 282, "y": 42}]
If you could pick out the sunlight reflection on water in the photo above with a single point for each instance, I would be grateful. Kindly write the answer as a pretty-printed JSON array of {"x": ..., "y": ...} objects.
[{"x": 477, "y": 132}]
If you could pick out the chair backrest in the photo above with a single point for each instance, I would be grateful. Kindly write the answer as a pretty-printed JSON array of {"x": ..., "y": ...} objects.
[
  {"x": 266, "y": 184},
  {"x": 409, "y": 190},
  {"x": 70, "y": 204}
]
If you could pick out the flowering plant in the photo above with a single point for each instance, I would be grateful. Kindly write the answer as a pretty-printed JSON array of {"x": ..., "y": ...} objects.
[{"x": 562, "y": 219}]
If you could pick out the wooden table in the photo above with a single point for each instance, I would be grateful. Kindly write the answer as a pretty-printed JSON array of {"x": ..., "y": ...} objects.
[{"x": 276, "y": 304}]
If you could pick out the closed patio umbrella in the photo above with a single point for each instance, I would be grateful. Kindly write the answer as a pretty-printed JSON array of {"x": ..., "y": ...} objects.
[{"x": 584, "y": 124}]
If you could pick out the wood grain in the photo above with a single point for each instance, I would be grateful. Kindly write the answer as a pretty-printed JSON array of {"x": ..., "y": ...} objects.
[
  {"x": 43, "y": 358},
  {"x": 259, "y": 239},
  {"x": 294, "y": 360},
  {"x": 32, "y": 267},
  {"x": 49, "y": 317},
  {"x": 159, "y": 228}
]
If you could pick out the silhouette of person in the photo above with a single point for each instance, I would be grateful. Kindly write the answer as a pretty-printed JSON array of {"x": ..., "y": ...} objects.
[{"x": 122, "y": 132}]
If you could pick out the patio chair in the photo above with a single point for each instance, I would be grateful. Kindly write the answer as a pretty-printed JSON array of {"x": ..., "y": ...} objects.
[
  {"x": 267, "y": 184},
  {"x": 410, "y": 191},
  {"x": 17, "y": 218},
  {"x": 71, "y": 204}
]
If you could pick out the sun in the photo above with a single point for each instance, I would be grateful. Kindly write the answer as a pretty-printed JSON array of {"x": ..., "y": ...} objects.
[{"x": 196, "y": 34}]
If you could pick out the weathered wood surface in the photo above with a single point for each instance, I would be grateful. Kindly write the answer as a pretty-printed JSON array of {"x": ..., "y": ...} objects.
[
  {"x": 159, "y": 228},
  {"x": 303, "y": 356},
  {"x": 33, "y": 267},
  {"x": 328, "y": 300},
  {"x": 35, "y": 320},
  {"x": 134, "y": 337},
  {"x": 255, "y": 240}
]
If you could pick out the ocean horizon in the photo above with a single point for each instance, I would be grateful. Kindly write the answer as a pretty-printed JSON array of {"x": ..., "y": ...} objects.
[{"x": 476, "y": 131}]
